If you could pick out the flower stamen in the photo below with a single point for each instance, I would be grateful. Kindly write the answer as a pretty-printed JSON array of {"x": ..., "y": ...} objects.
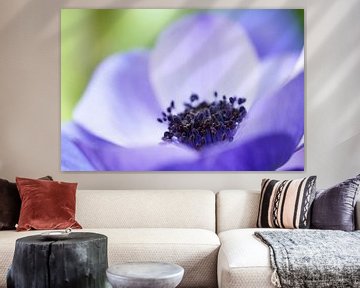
[{"x": 203, "y": 123}]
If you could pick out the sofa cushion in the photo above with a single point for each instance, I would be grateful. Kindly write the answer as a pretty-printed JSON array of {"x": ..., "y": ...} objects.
[
  {"x": 244, "y": 261},
  {"x": 334, "y": 208},
  {"x": 46, "y": 204},
  {"x": 286, "y": 204},
  {"x": 9, "y": 205},
  {"x": 194, "y": 249},
  {"x": 153, "y": 209}
]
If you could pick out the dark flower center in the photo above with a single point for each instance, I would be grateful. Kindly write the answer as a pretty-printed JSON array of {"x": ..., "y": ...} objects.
[{"x": 203, "y": 123}]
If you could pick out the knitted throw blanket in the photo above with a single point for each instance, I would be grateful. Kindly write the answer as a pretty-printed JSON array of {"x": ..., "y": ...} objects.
[{"x": 313, "y": 258}]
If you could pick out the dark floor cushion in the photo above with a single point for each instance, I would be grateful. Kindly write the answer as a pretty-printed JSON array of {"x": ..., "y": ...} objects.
[{"x": 334, "y": 208}]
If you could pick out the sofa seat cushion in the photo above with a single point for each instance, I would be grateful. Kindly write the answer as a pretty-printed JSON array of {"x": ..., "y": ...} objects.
[
  {"x": 244, "y": 261},
  {"x": 194, "y": 249}
]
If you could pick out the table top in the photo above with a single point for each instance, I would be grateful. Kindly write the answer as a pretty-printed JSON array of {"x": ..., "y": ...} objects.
[
  {"x": 146, "y": 270},
  {"x": 73, "y": 237}
]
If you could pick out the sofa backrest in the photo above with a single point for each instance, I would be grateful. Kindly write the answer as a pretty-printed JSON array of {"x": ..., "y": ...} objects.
[
  {"x": 236, "y": 209},
  {"x": 146, "y": 209},
  {"x": 239, "y": 209}
]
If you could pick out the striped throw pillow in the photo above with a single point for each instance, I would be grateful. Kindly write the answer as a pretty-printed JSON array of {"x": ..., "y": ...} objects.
[{"x": 286, "y": 204}]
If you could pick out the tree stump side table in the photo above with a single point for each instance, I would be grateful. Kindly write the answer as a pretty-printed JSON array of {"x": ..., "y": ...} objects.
[{"x": 78, "y": 261}]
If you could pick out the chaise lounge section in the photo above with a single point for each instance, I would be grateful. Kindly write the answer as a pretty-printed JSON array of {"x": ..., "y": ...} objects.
[{"x": 244, "y": 260}]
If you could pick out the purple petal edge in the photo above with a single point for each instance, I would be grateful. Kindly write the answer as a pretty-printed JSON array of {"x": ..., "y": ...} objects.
[
  {"x": 90, "y": 153},
  {"x": 273, "y": 31},
  {"x": 72, "y": 157},
  {"x": 295, "y": 163},
  {"x": 119, "y": 105}
]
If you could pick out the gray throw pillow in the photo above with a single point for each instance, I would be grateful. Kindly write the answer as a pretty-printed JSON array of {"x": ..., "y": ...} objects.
[{"x": 334, "y": 208}]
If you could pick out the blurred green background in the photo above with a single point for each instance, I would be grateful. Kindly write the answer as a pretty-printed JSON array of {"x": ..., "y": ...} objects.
[{"x": 90, "y": 35}]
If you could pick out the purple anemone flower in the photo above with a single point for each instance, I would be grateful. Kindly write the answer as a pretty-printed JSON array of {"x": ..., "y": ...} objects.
[{"x": 210, "y": 95}]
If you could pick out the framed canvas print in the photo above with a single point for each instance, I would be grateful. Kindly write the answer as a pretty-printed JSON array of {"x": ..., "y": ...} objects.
[{"x": 182, "y": 90}]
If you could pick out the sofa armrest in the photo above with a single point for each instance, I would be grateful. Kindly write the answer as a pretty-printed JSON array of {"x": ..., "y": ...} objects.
[{"x": 357, "y": 215}]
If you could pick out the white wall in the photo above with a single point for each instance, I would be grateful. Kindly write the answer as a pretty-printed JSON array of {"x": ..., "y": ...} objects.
[{"x": 30, "y": 94}]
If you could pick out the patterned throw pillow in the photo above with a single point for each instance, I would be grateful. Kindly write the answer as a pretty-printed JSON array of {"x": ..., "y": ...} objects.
[{"x": 286, "y": 204}]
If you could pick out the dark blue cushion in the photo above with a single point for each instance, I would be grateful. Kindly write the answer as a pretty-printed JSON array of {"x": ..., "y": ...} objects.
[{"x": 334, "y": 208}]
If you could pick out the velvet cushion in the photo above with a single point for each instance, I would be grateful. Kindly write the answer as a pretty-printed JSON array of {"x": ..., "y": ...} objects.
[
  {"x": 10, "y": 204},
  {"x": 286, "y": 204},
  {"x": 46, "y": 204},
  {"x": 334, "y": 208}
]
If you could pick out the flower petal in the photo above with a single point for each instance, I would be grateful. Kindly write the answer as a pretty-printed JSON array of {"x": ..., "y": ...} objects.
[
  {"x": 265, "y": 153},
  {"x": 296, "y": 162},
  {"x": 200, "y": 54},
  {"x": 273, "y": 73},
  {"x": 90, "y": 153},
  {"x": 119, "y": 105},
  {"x": 278, "y": 113},
  {"x": 267, "y": 138},
  {"x": 72, "y": 158},
  {"x": 273, "y": 31},
  {"x": 299, "y": 66},
  {"x": 110, "y": 157}
]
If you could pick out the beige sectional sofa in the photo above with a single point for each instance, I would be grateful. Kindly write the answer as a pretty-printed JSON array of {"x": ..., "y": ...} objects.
[{"x": 177, "y": 226}]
